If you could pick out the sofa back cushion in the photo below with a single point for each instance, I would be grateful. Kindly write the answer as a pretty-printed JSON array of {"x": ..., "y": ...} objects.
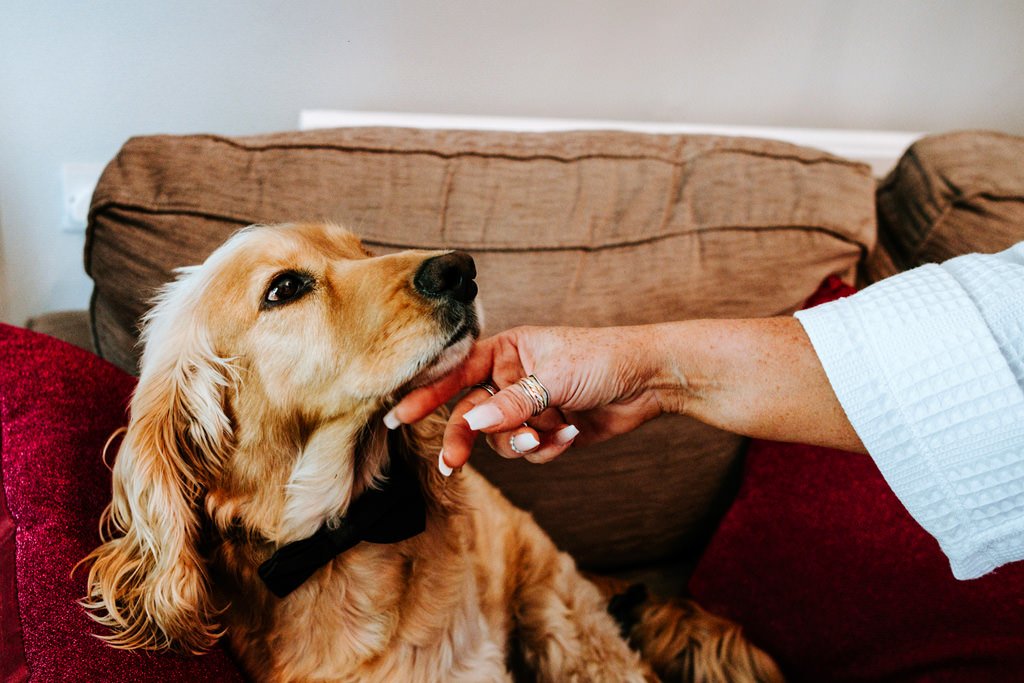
[
  {"x": 952, "y": 194},
  {"x": 577, "y": 228}
]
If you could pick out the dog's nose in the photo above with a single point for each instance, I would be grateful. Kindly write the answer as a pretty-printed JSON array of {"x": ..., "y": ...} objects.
[{"x": 449, "y": 275}]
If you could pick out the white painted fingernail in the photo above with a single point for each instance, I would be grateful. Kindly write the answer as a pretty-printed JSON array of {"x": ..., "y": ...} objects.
[
  {"x": 391, "y": 420},
  {"x": 525, "y": 442},
  {"x": 482, "y": 417},
  {"x": 443, "y": 466},
  {"x": 566, "y": 434}
]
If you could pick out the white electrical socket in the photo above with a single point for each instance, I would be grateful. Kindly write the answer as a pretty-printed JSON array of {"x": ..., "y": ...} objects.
[{"x": 77, "y": 184}]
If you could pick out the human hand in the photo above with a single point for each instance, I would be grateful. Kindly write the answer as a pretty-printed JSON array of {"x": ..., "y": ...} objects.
[{"x": 596, "y": 379}]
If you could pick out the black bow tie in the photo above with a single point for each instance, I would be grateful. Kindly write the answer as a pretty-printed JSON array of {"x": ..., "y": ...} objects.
[{"x": 393, "y": 513}]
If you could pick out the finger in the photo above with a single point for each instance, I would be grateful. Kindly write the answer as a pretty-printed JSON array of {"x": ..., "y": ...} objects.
[
  {"x": 503, "y": 412},
  {"x": 457, "y": 443},
  {"x": 514, "y": 443},
  {"x": 553, "y": 444},
  {"x": 422, "y": 401},
  {"x": 548, "y": 421}
]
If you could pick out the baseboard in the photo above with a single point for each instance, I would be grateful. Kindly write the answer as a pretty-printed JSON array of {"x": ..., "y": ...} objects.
[{"x": 880, "y": 149}]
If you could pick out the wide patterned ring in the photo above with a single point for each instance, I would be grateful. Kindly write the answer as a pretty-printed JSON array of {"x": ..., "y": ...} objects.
[{"x": 535, "y": 392}]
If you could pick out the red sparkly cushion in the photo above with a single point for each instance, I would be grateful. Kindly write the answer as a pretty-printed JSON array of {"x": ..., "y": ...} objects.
[
  {"x": 58, "y": 405},
  {"x": 828, "y": 572}
]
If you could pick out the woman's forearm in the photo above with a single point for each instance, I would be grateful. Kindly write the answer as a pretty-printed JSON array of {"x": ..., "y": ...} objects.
[{"x": 758, "y": 377}]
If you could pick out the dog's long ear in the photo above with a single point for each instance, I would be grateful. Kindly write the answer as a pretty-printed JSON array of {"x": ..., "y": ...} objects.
[{"x": 148, "y": 581}]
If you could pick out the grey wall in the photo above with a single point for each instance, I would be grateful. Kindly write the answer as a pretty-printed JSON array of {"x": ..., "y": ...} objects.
[{"x": 77, "y": 78}]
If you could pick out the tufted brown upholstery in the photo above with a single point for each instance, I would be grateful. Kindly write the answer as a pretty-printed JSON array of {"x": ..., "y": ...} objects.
[{"x": 579, "y": 228}]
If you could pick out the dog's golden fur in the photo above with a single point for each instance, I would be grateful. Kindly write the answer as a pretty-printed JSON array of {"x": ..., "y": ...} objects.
[{"x": 252, "y": 426}]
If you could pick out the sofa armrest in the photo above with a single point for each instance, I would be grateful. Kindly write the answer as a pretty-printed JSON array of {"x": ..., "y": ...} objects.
[{"x": 70, "y": 326}]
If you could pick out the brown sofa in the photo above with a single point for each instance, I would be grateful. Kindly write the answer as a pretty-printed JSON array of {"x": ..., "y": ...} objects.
[{"x": 579, "y": 228}]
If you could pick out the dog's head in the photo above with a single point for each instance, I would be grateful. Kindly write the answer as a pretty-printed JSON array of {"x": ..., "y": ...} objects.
[{"x": 264, "y": 374}]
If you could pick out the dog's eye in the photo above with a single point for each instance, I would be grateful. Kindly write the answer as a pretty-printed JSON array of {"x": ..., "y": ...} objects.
[{"x": 286, "y": 287}]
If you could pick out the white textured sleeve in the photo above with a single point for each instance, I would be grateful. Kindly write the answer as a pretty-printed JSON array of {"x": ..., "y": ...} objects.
[{"x": 929, "y": 367}]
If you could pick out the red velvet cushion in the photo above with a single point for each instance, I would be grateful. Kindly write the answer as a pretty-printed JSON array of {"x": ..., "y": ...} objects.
[
  {"x": 58, "y": 405},
  {"x": 827, "y": 571}
]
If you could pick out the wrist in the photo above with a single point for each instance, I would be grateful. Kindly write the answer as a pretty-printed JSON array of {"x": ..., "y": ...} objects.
[{"x": 668, "y": 378}]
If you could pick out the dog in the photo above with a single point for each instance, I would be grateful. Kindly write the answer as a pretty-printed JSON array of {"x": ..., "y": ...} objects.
[{"x": 257, "y": 495}]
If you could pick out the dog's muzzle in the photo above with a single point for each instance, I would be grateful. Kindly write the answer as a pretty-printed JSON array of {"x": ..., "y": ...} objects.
[{"x": 449, "y": 276}]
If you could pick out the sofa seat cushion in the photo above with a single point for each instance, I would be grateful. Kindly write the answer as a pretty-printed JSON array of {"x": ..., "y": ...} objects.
[
  {"x": 827, "y": 571},
  {"x": 58, "y": 406},
  {"x": 577, "y": 228}
]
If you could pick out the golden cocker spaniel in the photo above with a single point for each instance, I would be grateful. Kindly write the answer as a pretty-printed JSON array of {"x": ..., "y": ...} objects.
[{"x": 258, "y": 496}]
